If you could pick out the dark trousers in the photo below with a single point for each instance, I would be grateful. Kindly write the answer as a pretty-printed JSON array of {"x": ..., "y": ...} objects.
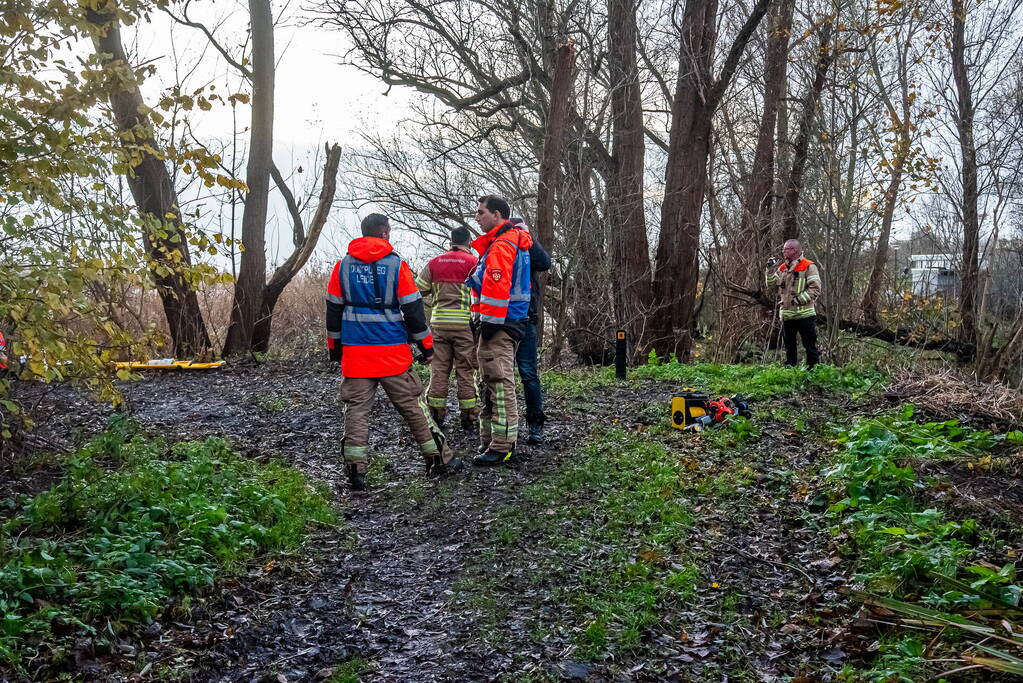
[
  {"x": 529, "y": 371},
  {"x": 807, "y": 329}
]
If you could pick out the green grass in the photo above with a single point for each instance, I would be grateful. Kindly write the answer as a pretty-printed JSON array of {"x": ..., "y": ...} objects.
[
  {"x": 617, "y": 499},
  {"x": 274, "y": 404},
  {"x": 756, "y": 382},
  {"x": 350, "y": 671},
  {"x": 577, "y": 383},
  {"x": 763, "y": 381},
  {"x": 379, "y": 471},
  {"x": 134, "y": 525}
]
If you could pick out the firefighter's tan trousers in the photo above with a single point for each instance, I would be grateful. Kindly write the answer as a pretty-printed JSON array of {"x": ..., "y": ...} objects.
[
  {"x": 499, "y": 418},
  {"x": 406, "y": 394},
  {"x": 453, "y": 347}
]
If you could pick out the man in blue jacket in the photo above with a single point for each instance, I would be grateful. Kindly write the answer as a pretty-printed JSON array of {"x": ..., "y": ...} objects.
[{"x": 526, "y": 358}]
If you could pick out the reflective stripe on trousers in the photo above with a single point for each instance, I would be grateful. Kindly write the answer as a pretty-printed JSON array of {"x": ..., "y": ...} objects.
[{"x": 499, "y": 416}]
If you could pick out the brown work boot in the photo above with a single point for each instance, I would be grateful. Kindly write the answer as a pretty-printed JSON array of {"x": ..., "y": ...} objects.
[{"x": 439, "y": 415}]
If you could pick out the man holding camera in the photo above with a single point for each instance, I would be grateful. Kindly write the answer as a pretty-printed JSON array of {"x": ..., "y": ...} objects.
[{"x": 799, "y": 287}]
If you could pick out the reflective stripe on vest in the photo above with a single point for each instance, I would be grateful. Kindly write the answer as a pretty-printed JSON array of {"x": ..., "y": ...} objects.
[
  {"x": 372, "y": 314},
  {"x": 450, "y": 315}
]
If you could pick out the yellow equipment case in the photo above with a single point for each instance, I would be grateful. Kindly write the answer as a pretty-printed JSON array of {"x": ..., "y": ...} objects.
[{"x": 688, "y": 407}]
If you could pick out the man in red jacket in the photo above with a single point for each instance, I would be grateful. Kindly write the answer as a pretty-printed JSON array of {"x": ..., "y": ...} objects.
[
  {"x": 442, "y": 284},
  {"x": 374, "y": 310},
  {"x": 499, "y": 297}
]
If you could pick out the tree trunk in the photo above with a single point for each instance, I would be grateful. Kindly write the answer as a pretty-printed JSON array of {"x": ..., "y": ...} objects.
[
  {"x": 588, "y": 335},
  {"x": 871, "y": 296},
  {"x": 304, "y": 242},
  {"x": 971, "y": 221},
  {"x": 550, "y": 165},
  {"x": 801, "y": 147},
  {"x": 163, "y": 234},
  {"x": 696, "y": 98},
  {"x": 248, "y": 289},
  {"x": 743, "y": 262},
  {"x": 625, "y": 211}
]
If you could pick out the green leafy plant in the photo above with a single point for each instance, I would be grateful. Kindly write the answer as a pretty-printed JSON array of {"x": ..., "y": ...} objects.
[
  {"x": 908, "y": 548},
  {"x": 135, "y": 524}
]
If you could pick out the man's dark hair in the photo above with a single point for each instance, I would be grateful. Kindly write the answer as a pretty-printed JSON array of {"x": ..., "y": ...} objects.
[
  {"x": 375, "y": 225},
  {"x": 460, "y": 236},
  {"x": 495, "y": 203}
]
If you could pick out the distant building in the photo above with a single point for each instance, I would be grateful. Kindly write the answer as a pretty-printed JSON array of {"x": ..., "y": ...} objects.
[{"x": 933, "y": 275}]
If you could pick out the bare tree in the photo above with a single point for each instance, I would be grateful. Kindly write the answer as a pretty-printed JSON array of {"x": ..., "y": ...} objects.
[
  {"x": 745, "y": 256},
  {"x": 304, "y": 242},
  {"x": 697, "y": 95},
  {"x": 165, "y": 237},
  {"x": 553, "y": 148},
  {"x": 248, "y": 290},
  {"x": 806, "y": 128},
  {"x": 625, "y": 184},
  {"x": 899, "y": 93}
]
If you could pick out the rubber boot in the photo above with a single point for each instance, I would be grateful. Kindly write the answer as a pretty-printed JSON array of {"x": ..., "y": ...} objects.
[
  {"x": 535, "y": 437},
  {"x": 356, "y": 479}
]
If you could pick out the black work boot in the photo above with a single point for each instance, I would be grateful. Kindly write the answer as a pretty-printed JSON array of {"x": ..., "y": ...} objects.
[
  {"x": 356, "y": 479},
  {"x": 535, "y": 437},
  {"x": 490, "y": 458},
  {"x": 436, "y": 467}
]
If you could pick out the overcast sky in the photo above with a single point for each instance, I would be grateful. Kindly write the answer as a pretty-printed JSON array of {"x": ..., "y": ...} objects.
[{"x": 318, "y": 99}]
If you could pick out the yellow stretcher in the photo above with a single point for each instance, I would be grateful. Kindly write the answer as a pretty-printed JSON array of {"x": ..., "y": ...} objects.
[{"x": 169, "y": 364}]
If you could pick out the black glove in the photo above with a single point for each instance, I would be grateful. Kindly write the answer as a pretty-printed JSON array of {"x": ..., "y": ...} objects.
[
  {"x": 773, "y": 262},
  {"x": 474, "y": 327},
  {"x": 488, "y": 330},
  {"x": 425, "y": 355},
  {"x": 335, "y": 353}
]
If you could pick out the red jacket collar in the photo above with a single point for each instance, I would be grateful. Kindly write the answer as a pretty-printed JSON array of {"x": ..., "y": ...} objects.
[
  {"x": 369, "y": 249},
  {"x": 515, "y": 234},
  {"x": 483, "y": 242}
]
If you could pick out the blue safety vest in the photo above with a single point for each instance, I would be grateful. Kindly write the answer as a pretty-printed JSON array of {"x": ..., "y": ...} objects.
[
  {"x": 372, "y": 315},
  {"x": 518, "y": 296}
]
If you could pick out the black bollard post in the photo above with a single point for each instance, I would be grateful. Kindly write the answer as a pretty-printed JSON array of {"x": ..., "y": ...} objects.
[{"x": 620, "y": 353}]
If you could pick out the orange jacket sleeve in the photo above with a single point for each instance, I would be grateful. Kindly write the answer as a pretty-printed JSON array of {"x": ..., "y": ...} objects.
[
  {"x": 497, "y": 281},
  {"x": 335, "y": 307}
]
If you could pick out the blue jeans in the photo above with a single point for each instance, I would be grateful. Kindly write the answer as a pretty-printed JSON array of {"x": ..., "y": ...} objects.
[{"x": 529, "y": 371}]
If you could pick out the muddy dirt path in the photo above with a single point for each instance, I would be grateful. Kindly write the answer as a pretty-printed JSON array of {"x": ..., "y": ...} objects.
[
  {"x": 384, "y": 588},
  {"x": 381, "y": 589}
]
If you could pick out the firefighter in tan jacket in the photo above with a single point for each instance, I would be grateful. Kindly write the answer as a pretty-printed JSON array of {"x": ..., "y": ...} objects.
[
  {"x": 442, "y": 284},
  {"x": 799, "y": 286}
]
